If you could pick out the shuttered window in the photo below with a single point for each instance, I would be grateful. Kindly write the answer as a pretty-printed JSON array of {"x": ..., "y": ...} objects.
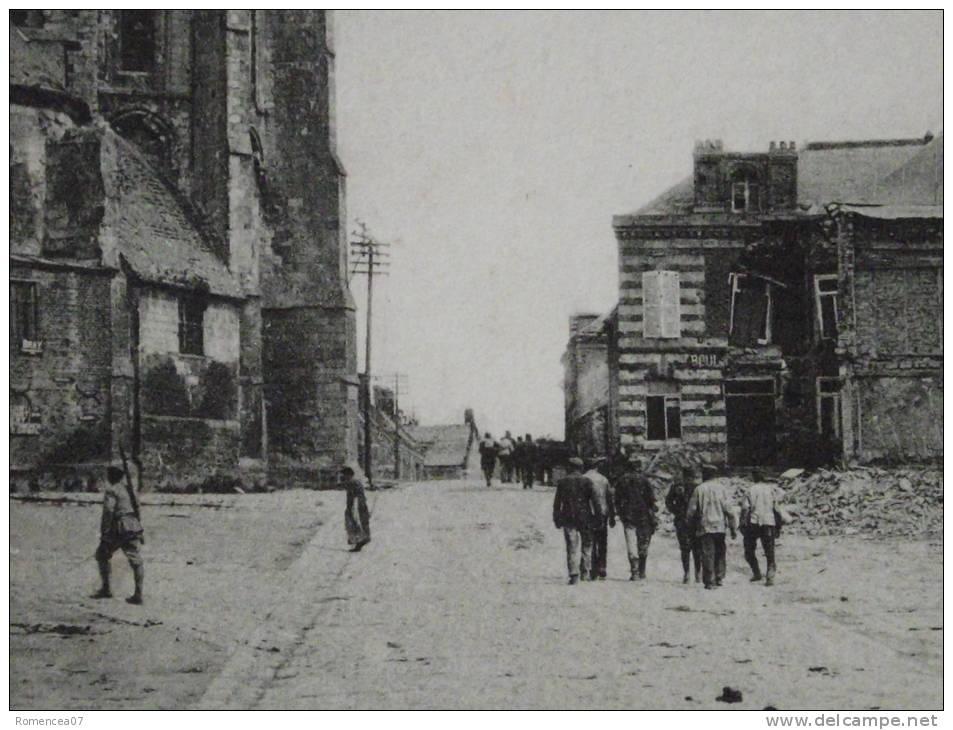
[{"x": 661, "y": 313}]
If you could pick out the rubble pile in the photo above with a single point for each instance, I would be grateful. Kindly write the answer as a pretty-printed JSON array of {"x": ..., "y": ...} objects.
[{"x": 866, "y": 500}]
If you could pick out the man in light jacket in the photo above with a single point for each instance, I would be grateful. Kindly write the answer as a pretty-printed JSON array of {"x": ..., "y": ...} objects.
[
  {"x": 709, "y": 508},
  {"x": 603, "y": 517},
  {"x": 759, "y": 521}
]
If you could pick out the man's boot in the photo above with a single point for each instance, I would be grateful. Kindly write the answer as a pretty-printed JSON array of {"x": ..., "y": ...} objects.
[
  {"x": 573, "y": 579},
  {"x": 105, "y": 591},
  {"x": 769, "y": 580},
  {"x": 642, "y": 560},
  {"x": 136, "y": 597}
]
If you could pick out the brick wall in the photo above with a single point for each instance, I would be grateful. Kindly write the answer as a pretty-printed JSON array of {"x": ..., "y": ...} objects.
[
  {"x": 899, "y": 311},
  {"x": 695, "y": 361}
]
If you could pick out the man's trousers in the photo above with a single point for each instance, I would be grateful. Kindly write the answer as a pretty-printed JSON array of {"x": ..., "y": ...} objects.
[
  {"x": 578, "y": 552},
  {"x": 713, "y": 558}
]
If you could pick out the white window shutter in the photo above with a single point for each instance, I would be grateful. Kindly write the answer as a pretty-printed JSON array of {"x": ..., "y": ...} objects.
[
  {"x": 670, "y": 291},
  {"x": 651, "y": 301}
]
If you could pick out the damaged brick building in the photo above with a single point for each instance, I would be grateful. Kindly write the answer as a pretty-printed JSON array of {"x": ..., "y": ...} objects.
[
  {"x": 785, "y": 306},
  {"x": 591, "y": 383},
  {"x": 177, "y": 245}
]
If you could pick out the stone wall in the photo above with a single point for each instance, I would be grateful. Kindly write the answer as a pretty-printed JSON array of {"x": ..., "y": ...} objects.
[
  {"x": 892, "y": 284},
  {"x": 60, "y": 393},
  {"x": 189, "y": 403}
]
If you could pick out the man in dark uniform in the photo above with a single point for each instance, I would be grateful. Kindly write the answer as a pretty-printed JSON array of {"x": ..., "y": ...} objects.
[
  {"x": 488, "y": 451},
  {"x": 573, "y": 513},
  {"x": 120, "y": 529},
  {"x": 635, "y": 506},
  {"x": 677, "y": 502},
  {"x": 529, "y": 462},
  {"x": 518, "y": 460}
]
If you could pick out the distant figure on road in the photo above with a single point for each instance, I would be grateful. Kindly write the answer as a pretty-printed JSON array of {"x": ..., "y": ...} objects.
[
  {"x": 601, "y": 497},
  {"x": 357, "y": 520},
  {"x": 120, "y": 529},
  {"x": 488, "y": 452},
  {"x": 518, "y": 460},
  {"x": 635, "y": 506},
  {"x": 759, "y": 521},
  {"x": 688, "y": 544},
  {"x": 529, "y": 462},
  {"x": 507, "y": 446},
  {"x": 573, "y": 513},
  {"x": 709, "y": 509}
]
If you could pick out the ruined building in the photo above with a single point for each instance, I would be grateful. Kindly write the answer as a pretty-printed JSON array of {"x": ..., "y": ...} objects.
[
  {"x": 590, "y": 384},
  {"x": 785, "y": 306},
  {"x": 178, "y": 265}
]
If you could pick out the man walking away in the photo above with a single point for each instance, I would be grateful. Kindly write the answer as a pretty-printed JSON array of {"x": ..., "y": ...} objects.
[
  {"x": 677, "y": 502},
  {"x": 488, "y": 450},
  {"x": 518, "y": 460},
  {"x": 120, "y": 529},
  {"x": 635, "y": 506},
  {"x": 529, "y": 462},
  {"x": 759, "y": 522},
  {"x": 573, "y": 513},
  {"x": 709, "y": 510},
  {"x": 603, "y": 518},
  {"x": 506, "y": 458}
]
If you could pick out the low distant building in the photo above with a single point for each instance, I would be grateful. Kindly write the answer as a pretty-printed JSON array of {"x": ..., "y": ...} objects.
[
  {"x": 450, "y": 451},
  {"x": 396, "y": 455},
  {"x": 785, "y": 307},
  {"x": 590, "y": 385}
]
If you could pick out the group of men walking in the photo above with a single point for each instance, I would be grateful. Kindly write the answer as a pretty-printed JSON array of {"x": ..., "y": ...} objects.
[
  {"x": 517, "y": 459},
  {"x": 588, "y": 504}
]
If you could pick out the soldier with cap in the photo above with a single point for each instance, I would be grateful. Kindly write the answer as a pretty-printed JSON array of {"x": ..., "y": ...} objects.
[
  {"x": 573, "y": 513},
  {"x": 635, "y": 506},
  {"x": 120, "y": 529},
  {"x": 677, "y": 502}
]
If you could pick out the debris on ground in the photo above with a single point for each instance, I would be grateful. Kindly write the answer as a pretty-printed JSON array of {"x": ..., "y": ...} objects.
[
  {"x": 871, "y": 501},
  {"x": 729, "y": 694}
]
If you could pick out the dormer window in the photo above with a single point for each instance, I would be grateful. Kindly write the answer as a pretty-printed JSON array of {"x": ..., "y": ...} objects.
[{"x": 744, "y": 192}]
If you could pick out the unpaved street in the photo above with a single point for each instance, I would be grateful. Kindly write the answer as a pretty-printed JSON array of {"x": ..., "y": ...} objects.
[{"x": 459, "y": 602}]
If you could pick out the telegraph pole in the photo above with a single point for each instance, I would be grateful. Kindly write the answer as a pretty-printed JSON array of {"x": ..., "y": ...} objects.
[{"x": 370, "y": 257}]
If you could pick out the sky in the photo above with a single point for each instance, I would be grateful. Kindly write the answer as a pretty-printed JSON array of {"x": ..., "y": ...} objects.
[{"x": 491, "y": 149}]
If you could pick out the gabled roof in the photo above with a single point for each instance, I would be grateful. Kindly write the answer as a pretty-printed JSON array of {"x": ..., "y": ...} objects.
[
  {"x": 677, "y": 200},
  {"x": 869, "y": 172},
  {"x": 150, "y": 225},
  {"x": 444, "y": 445}
]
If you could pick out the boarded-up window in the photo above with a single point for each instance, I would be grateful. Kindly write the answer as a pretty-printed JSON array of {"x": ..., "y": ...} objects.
[
  {"x": 661, "y": 312},
  {"x": 24, "y": 316},
  {"x": 750, "y": 311}
]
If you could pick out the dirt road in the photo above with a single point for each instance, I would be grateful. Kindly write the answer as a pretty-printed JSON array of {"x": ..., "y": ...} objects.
[{"x": 459, "y": 602}]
